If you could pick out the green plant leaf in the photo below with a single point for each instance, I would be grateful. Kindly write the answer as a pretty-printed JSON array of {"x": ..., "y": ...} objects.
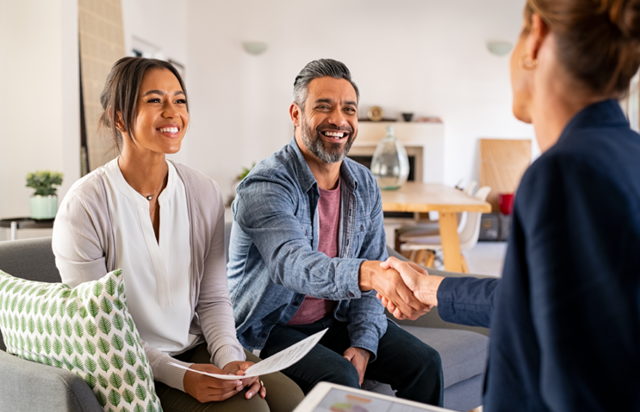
[
  {"x": 78, "y": 363},
  {"x": 91, "y": 380},
  {"x": 78, "y": 347},
  {"x": 130, "y": 357},
  {"x": 57, "y": 363},
  {"x": 97, "y": 289},
  {"x": 102, "y": 398},
  {"x": 110, "y": 286},
  {"x": 53, "y": 308},
  {"x": 104, "y": 325},
  {"x": 138, "y": 408},
  {"x": 90, "y": 347},
  {"x": 93, "y": 308},
  {"x": 43, "y": 307},
  {"x": 23, "y": 324},
  {"x": 39, "y": 326},
  {"x": 68, "y": 364},
  {"x": 91, "y": 328},
  {"x": 90, "y": 364},
  {"x": 117, "y": 342},
  {"x": 82, "y": 312},
  {"x": 68, "y": 329},
  {"x": 103, "y": 363},
  {"x": 115, "y": 380},
  {"x": 46, "y": 345},
  {"x": 117, "y": 361},
  {"x": 151, "y": 408},
  {"x": 104, "y": 382},
  {"x": 103, "y": 345},
  {"x": 141, "y": 392},
  {"x": 142, "y": 374},
  {"x": 128, "y": 396},
  {"x": 129, "y": 377},
  {"x": 78, "y": 329},
  {"x": 128, "y": 337},
  {"x": 57, "y": 327},
  {"x": 118, "y": 321},
  {"x": 130, "y": 322},
  {"x": 32, "y": 325},
  {"x": 68, "y": 347},
  {"x": 106, "y": 305},
  {"x": 29, "y": 344},
  {"x": 28, "y": 307},
  {"x": 37, "y": 345},
  {"x": 57, "y": 346},
  {"x": 72, "y": 308},
  {"x": 114, "y": 397},
  {"x": 65, "y": 295},
  {"x": 48, "y": 327}
]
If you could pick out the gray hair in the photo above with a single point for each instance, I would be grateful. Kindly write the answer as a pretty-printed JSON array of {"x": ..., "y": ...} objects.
[{"x": 316, "y": 69}]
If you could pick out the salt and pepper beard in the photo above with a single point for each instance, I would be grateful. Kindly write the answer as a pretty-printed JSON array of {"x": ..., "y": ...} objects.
[{"x": 317, "y": 147}]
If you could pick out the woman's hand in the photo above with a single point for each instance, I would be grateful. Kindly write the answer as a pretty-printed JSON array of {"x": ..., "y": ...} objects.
[
  {"x": 208, "y": 389},
  {"x": 254, "y": 384}
]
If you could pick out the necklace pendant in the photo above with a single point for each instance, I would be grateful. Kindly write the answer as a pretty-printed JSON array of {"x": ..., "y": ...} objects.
[{"x": 149, "y": 197}]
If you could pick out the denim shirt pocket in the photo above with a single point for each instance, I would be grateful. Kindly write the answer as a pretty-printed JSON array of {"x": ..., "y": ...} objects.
[{"x": 360, "y": 231}]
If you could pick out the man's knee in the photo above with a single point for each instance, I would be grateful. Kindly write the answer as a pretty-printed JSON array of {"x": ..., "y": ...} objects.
[{"x": 342, "y": 373}]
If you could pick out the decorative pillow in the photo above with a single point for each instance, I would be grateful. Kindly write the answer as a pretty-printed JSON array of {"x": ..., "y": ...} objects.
[{"x": 87, "y": 330}]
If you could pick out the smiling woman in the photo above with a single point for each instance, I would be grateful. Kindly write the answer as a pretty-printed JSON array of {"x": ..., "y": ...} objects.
[{"x": 139, "y": 213}]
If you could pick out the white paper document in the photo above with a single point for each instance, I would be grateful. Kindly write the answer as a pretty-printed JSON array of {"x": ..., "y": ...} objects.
[{"x": 275, "y": 363}]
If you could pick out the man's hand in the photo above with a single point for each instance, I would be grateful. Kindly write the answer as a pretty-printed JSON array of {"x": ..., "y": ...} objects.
[
  {"x": 417, "y": 279},
  {"x": 359, "y": 358},
  {"x": 389, "y": 284},
  {"x": 207, "y": 389},
  {"x": 254, "y": 384}
]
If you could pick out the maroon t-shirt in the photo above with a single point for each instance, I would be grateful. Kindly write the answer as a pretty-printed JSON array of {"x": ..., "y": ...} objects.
[{"x": 313, "y": 309}]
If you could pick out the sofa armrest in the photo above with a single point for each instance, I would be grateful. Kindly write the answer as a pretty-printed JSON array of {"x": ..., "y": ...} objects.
[
  {"x": 33, "y": 387},
  {"x": 433, "y": 319}
]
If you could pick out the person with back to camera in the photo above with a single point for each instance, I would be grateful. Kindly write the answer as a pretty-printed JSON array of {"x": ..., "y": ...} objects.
[
  {"x": 162, "y": 223},
  {"x": 565, "y": 317}
]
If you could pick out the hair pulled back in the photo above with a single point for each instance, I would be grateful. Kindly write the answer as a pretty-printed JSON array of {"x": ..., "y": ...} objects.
[
  {"x": 120, "y": 93},
  {"x": 598, "y": 40}
]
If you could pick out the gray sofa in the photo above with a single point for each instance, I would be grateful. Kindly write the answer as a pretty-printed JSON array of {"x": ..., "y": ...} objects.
[{"x": 31, "y": 387}]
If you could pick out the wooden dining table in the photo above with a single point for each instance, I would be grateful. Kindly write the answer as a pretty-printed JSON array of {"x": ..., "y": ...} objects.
[{"x": 435, "y": 197}]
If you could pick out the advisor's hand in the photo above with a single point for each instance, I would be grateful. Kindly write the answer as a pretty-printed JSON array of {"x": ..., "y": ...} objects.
[
  {"x": 254, "y": 384},
  {"x": 208, "y": 389},
  {"x": 417, "y": 279},
  {"x": 359, "y": 358},
  {"x": 388, "y": 283}
]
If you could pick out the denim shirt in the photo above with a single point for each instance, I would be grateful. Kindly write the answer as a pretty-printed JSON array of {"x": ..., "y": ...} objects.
[{"x": 273, "y": 254}]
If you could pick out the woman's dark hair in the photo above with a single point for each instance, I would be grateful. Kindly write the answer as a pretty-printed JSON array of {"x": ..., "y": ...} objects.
[
  {"x": 598, "y": 40},
  {"x": 120, "y": 93}
]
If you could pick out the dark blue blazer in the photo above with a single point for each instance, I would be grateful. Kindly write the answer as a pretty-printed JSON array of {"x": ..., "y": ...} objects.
[{"x": 565, "y": 318}]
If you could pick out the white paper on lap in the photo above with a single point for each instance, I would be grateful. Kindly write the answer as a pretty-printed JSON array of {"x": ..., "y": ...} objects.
[{"x": 275, "y": 363}]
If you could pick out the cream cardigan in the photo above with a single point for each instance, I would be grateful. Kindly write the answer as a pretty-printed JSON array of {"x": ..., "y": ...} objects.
[{"x": 84, "y": 248}]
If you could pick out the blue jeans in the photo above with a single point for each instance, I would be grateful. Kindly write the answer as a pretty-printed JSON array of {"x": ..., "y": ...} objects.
[{"x": 411, "y": 367}]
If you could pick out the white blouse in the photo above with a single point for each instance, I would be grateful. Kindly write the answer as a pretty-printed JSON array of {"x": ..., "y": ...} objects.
[{"x": 156, "y": 273}]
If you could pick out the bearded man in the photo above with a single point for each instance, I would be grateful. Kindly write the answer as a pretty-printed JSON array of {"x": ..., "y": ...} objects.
[{"x": 305, "y": 251}]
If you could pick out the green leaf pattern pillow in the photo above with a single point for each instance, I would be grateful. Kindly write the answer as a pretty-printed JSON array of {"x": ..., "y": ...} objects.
[{"x": 87, "y": 330}]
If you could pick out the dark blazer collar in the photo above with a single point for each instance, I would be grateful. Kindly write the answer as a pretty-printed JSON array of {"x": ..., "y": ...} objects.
[
  {"x": 607, "y": 113},
  {"x": 307, "y": 179}
]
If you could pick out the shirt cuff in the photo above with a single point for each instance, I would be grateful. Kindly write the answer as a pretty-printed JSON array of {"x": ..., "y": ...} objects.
[
  {"x": 348, "y": 278},
  {"x": 171, "y": 375}
]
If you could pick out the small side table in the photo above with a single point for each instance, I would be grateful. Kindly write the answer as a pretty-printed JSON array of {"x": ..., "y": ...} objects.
[{"x": 16, "y": 223}]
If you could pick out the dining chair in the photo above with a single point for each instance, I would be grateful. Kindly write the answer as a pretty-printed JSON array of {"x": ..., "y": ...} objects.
[{"x": 422, "y": 249}]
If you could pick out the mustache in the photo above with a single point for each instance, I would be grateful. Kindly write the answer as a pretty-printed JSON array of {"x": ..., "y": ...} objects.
[{"x": 327, "y": 125}]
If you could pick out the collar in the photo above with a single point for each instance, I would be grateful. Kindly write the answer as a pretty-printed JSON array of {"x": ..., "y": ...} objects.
[
  {"x": 607, "y": 113},
  {"x": 115, "y": 175},
  {"x": 308, "y": 180}
]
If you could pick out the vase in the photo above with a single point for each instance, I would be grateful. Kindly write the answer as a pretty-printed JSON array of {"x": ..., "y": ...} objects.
[
  {"x": 44, "y": 207},
  {"x": 390, "y": 164}
]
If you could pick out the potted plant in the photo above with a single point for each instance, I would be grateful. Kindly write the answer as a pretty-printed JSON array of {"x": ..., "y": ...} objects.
[{"x": 44, "y": 202}]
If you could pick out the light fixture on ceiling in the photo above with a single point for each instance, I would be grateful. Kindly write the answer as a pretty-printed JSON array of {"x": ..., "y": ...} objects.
[
  {"x": 254, "y": 47},
  {"x": 499, "y": 48}
]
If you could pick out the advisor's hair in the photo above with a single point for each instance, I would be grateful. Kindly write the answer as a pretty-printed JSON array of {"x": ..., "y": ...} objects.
[
  {"x": 316, "y": 69},
  {"x": 120, "y": 93},
  {"x": 598, "y": 40}
]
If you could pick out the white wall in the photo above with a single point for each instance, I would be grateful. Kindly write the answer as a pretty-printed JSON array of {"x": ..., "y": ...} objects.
[
  {"x": 424, "y": 56},
  {"x": 161, "y": 24},
  {"x": 39, "y": 104}
]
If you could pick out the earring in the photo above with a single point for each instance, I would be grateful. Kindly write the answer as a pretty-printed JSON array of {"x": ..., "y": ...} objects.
[{"x": 527, "y": 63}]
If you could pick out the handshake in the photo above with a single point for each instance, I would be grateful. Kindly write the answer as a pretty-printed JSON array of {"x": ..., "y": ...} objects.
[{"x": 404, "y": 288}]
